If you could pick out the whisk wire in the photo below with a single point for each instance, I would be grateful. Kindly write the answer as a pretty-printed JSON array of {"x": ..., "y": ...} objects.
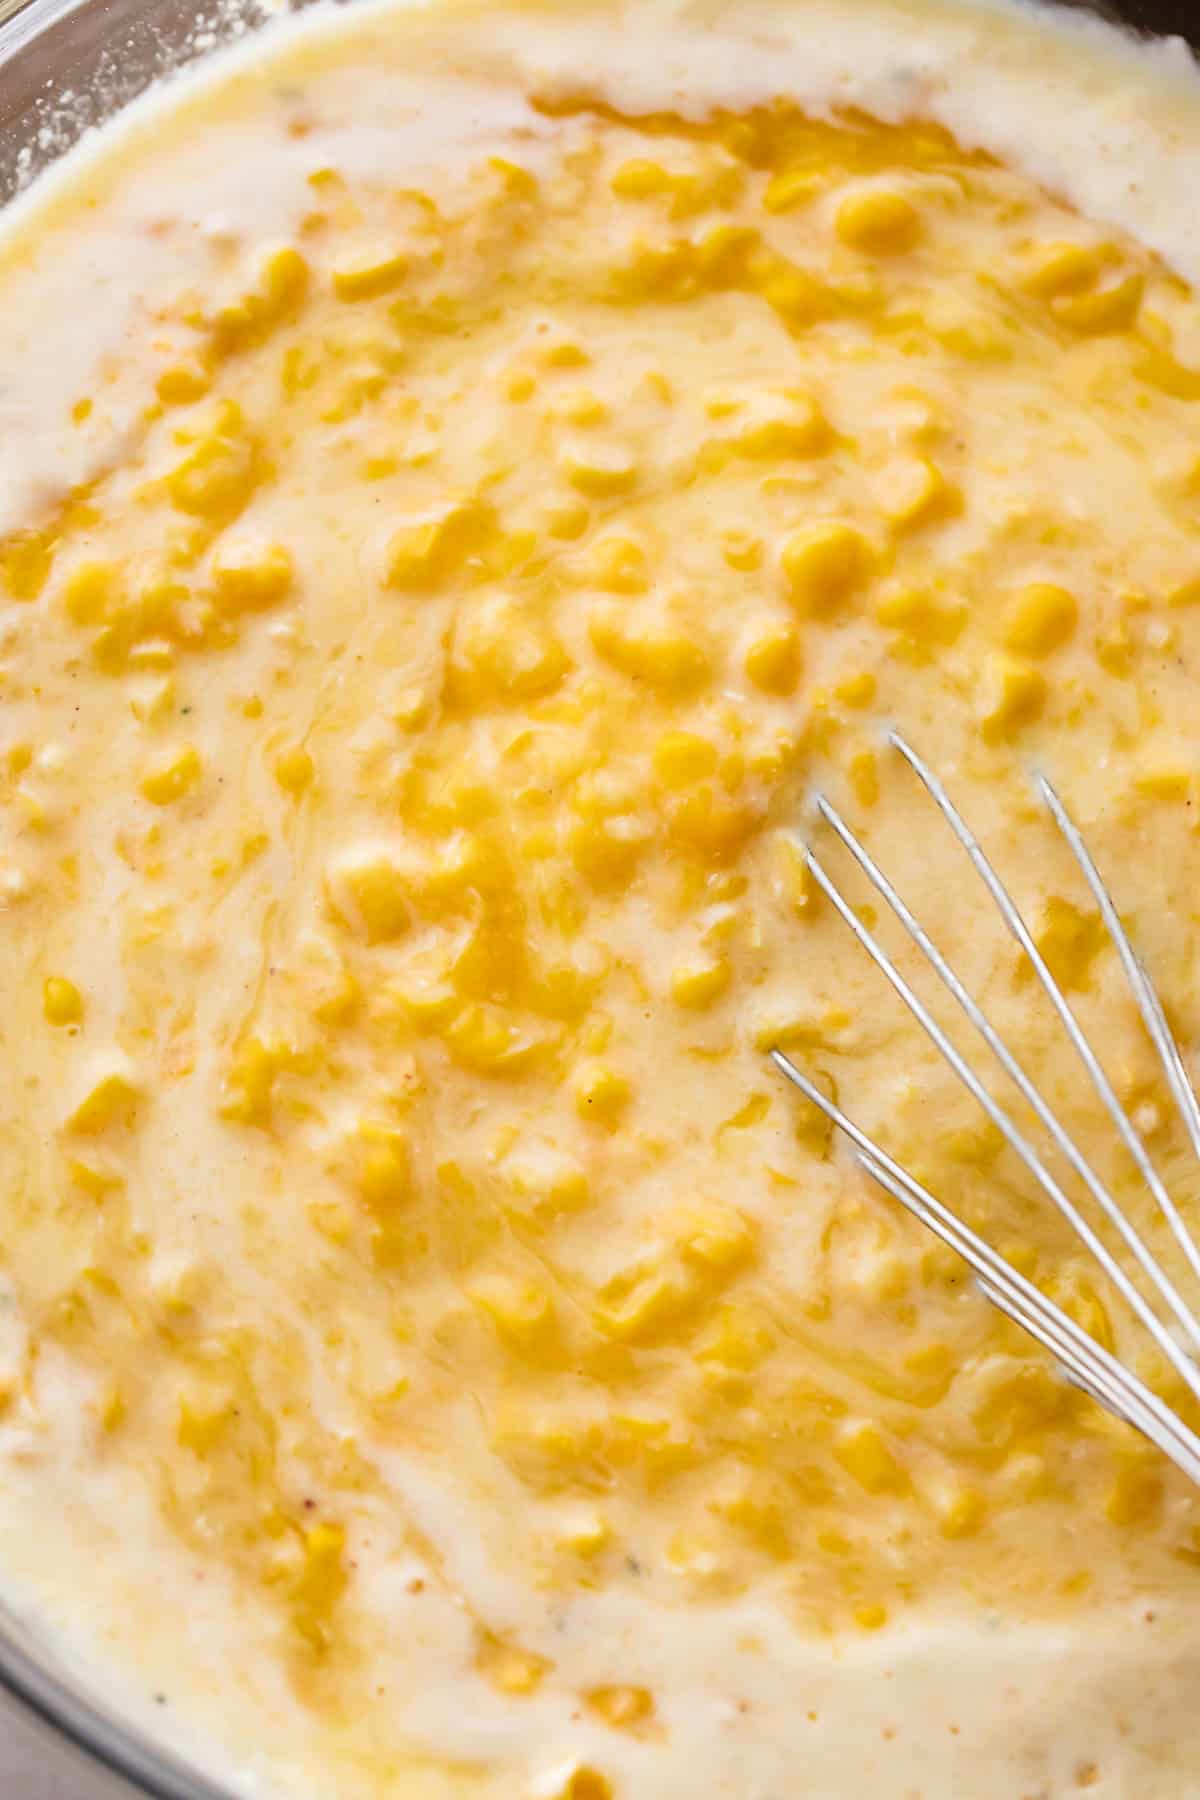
[
  {"x": 1084, "y": 1362},
  {"x": 1020, "y": 930},
  {"x": 1003, "y": 1120},
  {"x": 1149, "y": 1005},
  {"x": 1029, "y": 1092},
  {"x": 1087, "y": 1364}
]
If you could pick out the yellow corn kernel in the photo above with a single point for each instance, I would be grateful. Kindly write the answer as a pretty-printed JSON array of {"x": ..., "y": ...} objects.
[
  {"x": 489, "y": 1041},
  {"x": 1018, "y": 1401},
  {"x": 927, "y": 626},
  {"x": 863, "y": 770},
  {"x": 741, "y": 549},
  {"x": 513, "y": 1671},
  {"x": 1063, "y": 269},
  {"x": 1041, "y": 619},
  {"x": 517, "y": 181},
  {"x": 825, "y": 565},
  {"x": 281, "y": 285},
  {"x": 758, "y": 1511},
  {"x": 369, "y": 274},
  {"x": 370, "y": 893},
  {"x": 722, "y": 402},
  {"x": 580, "y": 1782},
  {"x": 707, "y": 821},
  {"x": 201, "y": 1428},
  {"x": 251, "y": 577},
  {"x": 504, "y": 652},
  {"x": 169, "y": 781},
  {"x": 791, "y": 188},
  {"x": 468, "y": 862},
  {"x": 294, "y": 770},
  {"x": 915, "y": 494},
  {"x": 599, "y": 470},
  {"x": 545, "y": 1183},
  {"x": 784, "y": 425},
  {"x": 795, "y": 294},
  {"x": 155, "y": 701},
  {"x": 856, "y": 690},
  {"x": 871, "y": 1616},
  {"x": 428, "y": 550},
  {"x": 299, "y": 373},
  {"x": 90, "y": 594},
  {"x": 641, "y": 179},
  {"x": 607, "y": 849},
  {"x": 521, "y": 1310},
  {"x": 1107, "y": 309},
  {"x": 1070, "y": 942},
  {"x": 583, "y": 408},
  {"x": 1115, "y": 651},
  {"x": 967, "y": 330},
  {"x": 335, "y": 1221},
  {"x": 601, "y": 1095},
  {"x": 26, "y": 559},
  {"x": 215, "y": 480},
  {"x": 618, "y": 566},
  {"x": 1164, "y": 780},
  {"x": 644, "y": 1302},
  {"x": 735, "y": 1341},
  {"x": 111, "y": 1101},
  {"x": 879, "y": 221},
  {"x": 568, "y": 522},
  {"x": 182, "y": 383},
  {"x": 114, "y": 1410},
  {"x": 715, "y": 1241},
  {"x": 1136, "y": 1494},
  {"x": 35, "y": 812},
  {"x": 773, "y": 660},
  {"x": 795, "y": 878},
  {"x": 697, "y": 984},
  {"x": 565, "y": 353},
  {"x": 960, "y": 1509},
  {"x": 621, "y": 1707},
  {"x": 863, "y": 1452},
  {"x": 667, "y": 657},
  {"x": 1014, "y": 694},
  {"x": 62, "y": 1003},
  {"x": 683, "y": 757},
  {"x": 94, "y": 1177},
  {"x": 320, "y": 1584},
  {"x": 250, "y": 1086},
  {"x": 1185, "y": 593},
  {"x": 586, "y": 1534},
  {"x": 385, "y": 1181}
]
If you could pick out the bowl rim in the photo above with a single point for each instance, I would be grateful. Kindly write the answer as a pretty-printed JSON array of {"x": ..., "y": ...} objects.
[{"x": 30, "y": 1673}]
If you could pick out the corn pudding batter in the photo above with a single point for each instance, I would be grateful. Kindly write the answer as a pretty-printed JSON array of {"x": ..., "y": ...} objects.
[{"x": 466, "y": 476}]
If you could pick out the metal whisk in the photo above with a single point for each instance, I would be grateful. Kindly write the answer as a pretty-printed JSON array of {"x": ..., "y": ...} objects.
[{"x": 1169, "y": 1320}]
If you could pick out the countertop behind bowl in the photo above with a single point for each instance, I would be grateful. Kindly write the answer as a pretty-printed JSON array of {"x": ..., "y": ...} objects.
[
  {"x": 35, "y": 1763},
  {"x": 1181, "y": 17}
]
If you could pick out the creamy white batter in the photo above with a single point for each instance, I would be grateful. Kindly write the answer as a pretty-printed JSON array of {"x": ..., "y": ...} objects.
[{"x": 952, "y": 1698}]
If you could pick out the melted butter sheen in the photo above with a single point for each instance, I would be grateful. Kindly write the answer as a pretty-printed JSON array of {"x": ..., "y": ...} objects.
[{"x": 407, "y": 1249}]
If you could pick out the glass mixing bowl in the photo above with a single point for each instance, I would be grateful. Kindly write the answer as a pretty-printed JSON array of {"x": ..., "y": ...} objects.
[{"x": 66, "y": 65}]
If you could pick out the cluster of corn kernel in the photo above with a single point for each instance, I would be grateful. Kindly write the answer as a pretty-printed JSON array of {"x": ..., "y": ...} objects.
[{"x": 497, "y": 1080}]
